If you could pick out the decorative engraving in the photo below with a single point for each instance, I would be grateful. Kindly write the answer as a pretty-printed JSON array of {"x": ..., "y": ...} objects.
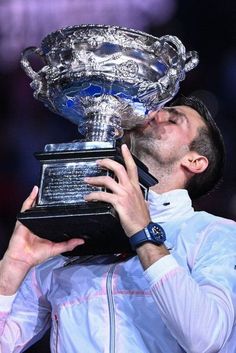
[{"x": 110, "y": 75}]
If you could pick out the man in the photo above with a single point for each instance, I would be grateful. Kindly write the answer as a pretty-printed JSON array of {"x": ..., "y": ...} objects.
[{"x": 176, "y": 295}]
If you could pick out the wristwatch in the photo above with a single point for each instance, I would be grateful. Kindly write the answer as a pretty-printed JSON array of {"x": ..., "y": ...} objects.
[{"x": 152, "y": 233}]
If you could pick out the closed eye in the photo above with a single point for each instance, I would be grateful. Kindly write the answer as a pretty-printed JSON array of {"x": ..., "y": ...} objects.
[
  {"x": 175, "y": 116},
  {"x": 173, "y": 121}
]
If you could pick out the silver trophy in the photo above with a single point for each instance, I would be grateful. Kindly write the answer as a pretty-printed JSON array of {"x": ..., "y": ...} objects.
[{"x": 104, "y": 79}]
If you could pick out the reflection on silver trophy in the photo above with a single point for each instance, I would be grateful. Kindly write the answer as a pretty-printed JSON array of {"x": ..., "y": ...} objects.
[{"x": 104, "y": 79}]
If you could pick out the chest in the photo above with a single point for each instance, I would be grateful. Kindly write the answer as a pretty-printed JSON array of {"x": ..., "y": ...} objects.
[{"x": 102, "y": 306}]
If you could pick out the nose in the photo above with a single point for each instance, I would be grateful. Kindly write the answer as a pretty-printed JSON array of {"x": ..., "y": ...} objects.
[{"x": 160, "y": 116}]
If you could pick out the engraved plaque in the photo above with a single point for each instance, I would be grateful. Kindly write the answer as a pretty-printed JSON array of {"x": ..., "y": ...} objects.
[{"x": 63, "y": 183}]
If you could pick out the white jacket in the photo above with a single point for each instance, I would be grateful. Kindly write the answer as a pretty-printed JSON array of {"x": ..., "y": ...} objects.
[{"x": 185, "y": 302}]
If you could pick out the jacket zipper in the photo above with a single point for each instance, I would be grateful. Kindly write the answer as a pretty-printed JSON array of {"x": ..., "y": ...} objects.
[
  {"x": 111, "y": 309},
  {"x": 57, "y": 333}
]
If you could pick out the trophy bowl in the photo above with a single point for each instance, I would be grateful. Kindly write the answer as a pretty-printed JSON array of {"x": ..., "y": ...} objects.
[{"x": 105, "y": 79}]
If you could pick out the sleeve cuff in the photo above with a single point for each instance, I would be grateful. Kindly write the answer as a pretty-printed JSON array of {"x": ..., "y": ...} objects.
[
  {"x": 6, "y": 302},
  {"x": 160, "y": 268}
]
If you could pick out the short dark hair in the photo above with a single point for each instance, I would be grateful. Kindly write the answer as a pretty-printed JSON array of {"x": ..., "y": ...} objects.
[{"x": 209, "y": 143}]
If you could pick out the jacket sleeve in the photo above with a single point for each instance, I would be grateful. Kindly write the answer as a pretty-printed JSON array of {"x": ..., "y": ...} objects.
[
  {"x": 198, "y": 305},
  {"x": 24, "y": 317}
]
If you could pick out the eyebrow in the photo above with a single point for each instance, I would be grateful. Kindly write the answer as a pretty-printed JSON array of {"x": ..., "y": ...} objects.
[{"x": 177, "y": 113}]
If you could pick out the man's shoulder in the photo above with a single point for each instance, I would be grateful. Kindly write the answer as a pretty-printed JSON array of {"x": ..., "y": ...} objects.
[
  {"x": 213, "y": 227},
  {"x": 207, "y": 218},
  {"x": 206, "y": 225}
]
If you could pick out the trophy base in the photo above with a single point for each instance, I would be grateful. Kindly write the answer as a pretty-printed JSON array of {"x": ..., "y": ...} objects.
[
  {"x": 97, "y": 223},
  {"x": 62, "y": 213}
]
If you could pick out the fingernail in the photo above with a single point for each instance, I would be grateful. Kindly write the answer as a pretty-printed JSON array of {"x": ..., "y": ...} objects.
[{"x": 34, "y": 190}]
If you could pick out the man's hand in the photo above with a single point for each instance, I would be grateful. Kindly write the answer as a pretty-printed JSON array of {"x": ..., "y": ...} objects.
[
  {"x": 128, "y": 200},
  {"x": 126, "y": 195},
  {"x": 26, "y": 250}
]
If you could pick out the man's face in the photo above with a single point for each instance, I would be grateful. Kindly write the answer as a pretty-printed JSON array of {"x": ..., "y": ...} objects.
[{"x": 167, "y": 135}]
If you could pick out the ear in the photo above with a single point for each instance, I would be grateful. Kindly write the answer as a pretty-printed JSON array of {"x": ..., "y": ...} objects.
[{"x": 194, "y": 163}]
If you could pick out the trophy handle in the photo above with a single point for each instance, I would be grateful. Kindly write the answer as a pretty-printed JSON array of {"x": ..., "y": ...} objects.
[
  {"x": 191, "y": 57},
  {"x": 25, "y": 61},
  {"x": 192, "y": 60}
]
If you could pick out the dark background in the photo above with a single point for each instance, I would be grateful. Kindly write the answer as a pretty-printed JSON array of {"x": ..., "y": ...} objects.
[{"x": 26, "y": 125}]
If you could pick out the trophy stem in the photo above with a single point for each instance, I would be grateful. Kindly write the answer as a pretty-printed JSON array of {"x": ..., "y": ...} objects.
[{"x": 100, "y": 127}]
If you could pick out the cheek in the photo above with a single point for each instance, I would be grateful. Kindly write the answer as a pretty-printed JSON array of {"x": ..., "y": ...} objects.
[
  {"x": 160, "y": 133},
  {"x": 180, "y": 137}
]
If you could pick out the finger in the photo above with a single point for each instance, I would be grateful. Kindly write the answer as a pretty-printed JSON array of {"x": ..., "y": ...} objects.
[
  {"x": 116, "y": 167},
  {"x": 104, "y": 181},
  {"x": 101, "y": 196},
  {"x": 30, "y": 201},
  {"x": 129, "y": 163}
]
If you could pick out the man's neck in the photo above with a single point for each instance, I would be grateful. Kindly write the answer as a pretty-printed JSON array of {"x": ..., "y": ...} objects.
[
  {"x": 169, "y": 177},
  {"x": 165, "y": 184}
]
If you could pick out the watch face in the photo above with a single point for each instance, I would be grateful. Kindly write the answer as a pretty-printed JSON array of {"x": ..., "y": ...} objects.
[{"x": 157, "y": 232}]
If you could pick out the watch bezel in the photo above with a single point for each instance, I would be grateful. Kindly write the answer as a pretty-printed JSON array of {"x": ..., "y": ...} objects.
[{"x": 157, "y": 236}]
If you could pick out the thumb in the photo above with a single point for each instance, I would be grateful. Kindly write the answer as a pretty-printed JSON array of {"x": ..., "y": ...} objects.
[
  {"x": 65, "y": 246},
  {"x": 30, "y": 201}
]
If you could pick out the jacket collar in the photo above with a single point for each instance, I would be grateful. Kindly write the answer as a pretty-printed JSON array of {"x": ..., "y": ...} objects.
[{"x": 169, "y": 206}]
